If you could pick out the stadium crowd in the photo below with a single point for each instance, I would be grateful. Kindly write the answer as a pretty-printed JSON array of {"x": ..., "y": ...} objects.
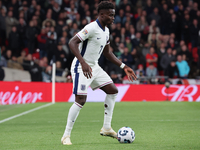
[{"x": 154, "y": 37}]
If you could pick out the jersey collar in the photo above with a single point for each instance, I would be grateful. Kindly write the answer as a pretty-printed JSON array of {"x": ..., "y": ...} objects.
[{"x": 100, "y": 25}]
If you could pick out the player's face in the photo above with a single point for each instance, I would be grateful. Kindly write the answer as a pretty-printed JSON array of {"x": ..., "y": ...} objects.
[{"x": 109, "y": 16}]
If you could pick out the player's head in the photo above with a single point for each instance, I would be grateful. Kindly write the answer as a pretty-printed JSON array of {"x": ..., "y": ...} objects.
[{"x": 106, "y": 12}]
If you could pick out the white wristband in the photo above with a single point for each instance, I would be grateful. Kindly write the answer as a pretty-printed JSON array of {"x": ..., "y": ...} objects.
[{"x": 122, "y": 65}]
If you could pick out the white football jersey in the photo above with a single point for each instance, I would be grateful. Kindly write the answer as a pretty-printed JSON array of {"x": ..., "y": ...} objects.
[{"x": 94, "y": 38}]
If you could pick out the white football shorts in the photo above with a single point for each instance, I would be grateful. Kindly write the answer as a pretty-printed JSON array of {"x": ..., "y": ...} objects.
[{"x": 99, "y": 79}]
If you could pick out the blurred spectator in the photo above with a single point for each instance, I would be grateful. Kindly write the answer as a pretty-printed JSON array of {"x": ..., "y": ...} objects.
[
  {"x": 14, "y": 42},
  {"x": 165, "y": 17},
  {"x": 32, "y": 7},
  {"x": 116, "y": 30},
  {"x": 155, "y": 16},
  {"x": 166, "y": 59},
  {"x": 48, "y": 20},
  {"x": 65, "y": 47},
  {"x": 60, "y": 27},
  {"x": 12, "y": 63},
  {"x": 122, "y": 35},
  {"x": 152, "y": 40},
  {"x": 138, "y": 58},
  {"x": 50, "y": 47},
  {"x": 120, "y": 18},
  {"x": 172, "y": 70},
  {"x": 55, "y": 10},
  {"x": 36, "y": 71},
  {"x": 21, "y": 58},
  {"x": 149, "y": 7},
  {"x": 137, "y": 41},
  {"x": 172, "y": 25},
  {"x": 72, "y": 11},
  {"x": 141, "y": 24},
  {"x": 151, "y": 57},
  {"x": 185, "y": 34},
  {"x": 172, "y": 44},
  {"x": 52, "y": 31},
  {"x": 174, "y": 53},
  {"x": 8, "y": 55},
  {"x": 194, "y": 32},
  {"x": 145, "y": 49},
  {"x": 193, "y": 11},
  {"x": 140, "y": 71},
  {"x": 161, "y": 52},
  {"x": 151, "y": 70},
  {"x": 185, "y": 51},
  {"x": 45, "y": 60},
  {"x": 132, "y": 33},
  {"x": 181, "y": 43},
  {"x": 42, "y": 38},
  {"x": 123, "y": 4},
  {"x": 59, "y": 70},
  {"x": 3, "y": 62},
  {"x": 61, "y": 55},
  {"x": 46, "y": 74},
  {"x": 10, "y": 22},
  {"x": 116, "y": 77},
  {"x": 128, "y": 44},
  {"x": 28, "y": 62},
  {"x": 183, "y": 67},
  {"x": 21, "y": 29},
  {"x": 88, "y": 16},
  {"x": 153, "y": 28},
  {"x": 31, "y": 34},
  {"x": 3, "y": 25},
  {"x": 2, "y": 74},
  {"x": 74, "y": 29},
  {"x": 198, "y": 17},
  {"x": 127, "y": 58}
]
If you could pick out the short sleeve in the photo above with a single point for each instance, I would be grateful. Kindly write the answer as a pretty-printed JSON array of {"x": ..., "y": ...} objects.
[
  {"x": 85, "y": 33},
  {"x": 108, "y": 42}
]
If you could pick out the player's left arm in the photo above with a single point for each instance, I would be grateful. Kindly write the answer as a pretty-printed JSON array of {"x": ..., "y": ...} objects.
[{"x": 110, "y": 56}]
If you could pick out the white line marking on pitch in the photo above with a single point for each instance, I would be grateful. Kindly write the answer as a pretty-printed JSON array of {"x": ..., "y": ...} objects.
[{"x": 24, "y": 113}]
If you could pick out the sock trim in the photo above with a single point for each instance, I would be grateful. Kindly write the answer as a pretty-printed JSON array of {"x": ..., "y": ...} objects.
[{"x": 78, "y": 105}]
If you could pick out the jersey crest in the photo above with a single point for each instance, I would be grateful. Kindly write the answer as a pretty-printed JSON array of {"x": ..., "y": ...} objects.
[{"x": 83, "y": 87}]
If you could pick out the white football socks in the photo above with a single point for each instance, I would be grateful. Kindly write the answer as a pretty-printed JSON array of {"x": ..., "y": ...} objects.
[
  {"x": 109, "y": 106},
  {"x": 72, "y": 115}
]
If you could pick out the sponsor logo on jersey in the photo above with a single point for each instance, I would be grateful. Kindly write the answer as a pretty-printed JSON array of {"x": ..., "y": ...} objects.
[
  {"x": 82, "y": 87},
  {"x": 85, "y": 32}
]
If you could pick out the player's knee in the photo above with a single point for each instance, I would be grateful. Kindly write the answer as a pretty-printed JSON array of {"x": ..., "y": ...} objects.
[
  {"x": 81, "y": 99},
  {"x": 115, "y": 90}
]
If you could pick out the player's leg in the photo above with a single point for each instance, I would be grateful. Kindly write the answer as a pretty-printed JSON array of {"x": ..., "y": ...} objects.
[
  {"x": 72, "y": 115},
  {"x": 80, "y": 86},
  {"x": 105, "y": 83},
  {"x": 109, "y": 103}
]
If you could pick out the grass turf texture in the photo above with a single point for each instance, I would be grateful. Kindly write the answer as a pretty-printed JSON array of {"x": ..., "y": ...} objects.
[{"x": 158, "y": 126}]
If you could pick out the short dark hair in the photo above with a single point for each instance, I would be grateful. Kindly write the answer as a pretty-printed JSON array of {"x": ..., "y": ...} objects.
[{"x": 105, "y": 5}]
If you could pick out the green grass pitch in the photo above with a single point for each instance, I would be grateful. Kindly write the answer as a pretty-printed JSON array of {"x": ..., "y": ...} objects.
[{"x": 158, "y": 126}]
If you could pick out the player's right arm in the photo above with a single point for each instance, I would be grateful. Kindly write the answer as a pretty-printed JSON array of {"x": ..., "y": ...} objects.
[{"x": 73, "y": 44}]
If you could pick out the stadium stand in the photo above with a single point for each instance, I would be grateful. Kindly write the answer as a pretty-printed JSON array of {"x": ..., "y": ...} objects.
[{"x": 32, "y": 32}]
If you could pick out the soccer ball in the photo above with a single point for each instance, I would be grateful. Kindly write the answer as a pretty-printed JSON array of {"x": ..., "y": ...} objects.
[{"x": 125, "y": 135}]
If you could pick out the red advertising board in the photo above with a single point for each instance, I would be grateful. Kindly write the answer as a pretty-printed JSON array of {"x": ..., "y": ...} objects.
[{"x": 31, "y": 92}]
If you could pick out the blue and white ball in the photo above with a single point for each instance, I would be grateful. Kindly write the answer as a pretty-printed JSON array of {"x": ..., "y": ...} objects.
[{"x": 125, "y": 135}]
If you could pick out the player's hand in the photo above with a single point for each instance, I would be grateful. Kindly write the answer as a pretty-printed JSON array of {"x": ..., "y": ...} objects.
[
  {"x": 130, "y": 73},
  {"x": 87, "y": 70}
]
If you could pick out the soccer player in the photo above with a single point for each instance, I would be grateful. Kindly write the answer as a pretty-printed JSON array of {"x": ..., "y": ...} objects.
[{"x": 87, "y": 46}]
